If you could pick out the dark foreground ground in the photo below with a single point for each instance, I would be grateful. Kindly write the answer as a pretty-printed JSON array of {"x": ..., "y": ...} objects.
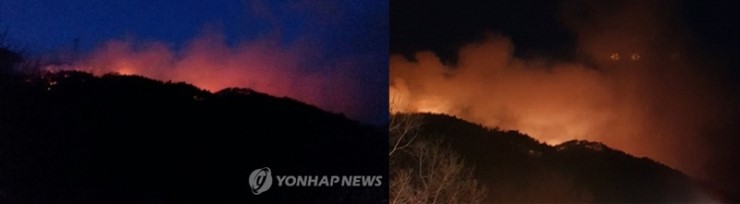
[{"x": 71, "y": 137}]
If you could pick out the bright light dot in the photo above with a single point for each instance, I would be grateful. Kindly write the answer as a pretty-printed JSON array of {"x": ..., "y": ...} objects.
[
  {"x": 614, "y": 56},
  {"x": 635, "y": 57}
]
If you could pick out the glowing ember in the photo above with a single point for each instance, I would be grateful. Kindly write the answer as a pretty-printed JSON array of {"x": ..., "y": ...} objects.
[{"x": 614, "y": 56}]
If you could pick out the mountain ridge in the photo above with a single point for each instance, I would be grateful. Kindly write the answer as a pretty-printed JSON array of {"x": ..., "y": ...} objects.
[
  {"x": 71, "y": 137},
  {"x": 518, "y": 168}
]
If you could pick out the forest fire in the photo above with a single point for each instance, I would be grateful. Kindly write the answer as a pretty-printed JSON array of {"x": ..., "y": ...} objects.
[
  {"x": 627, "y": 87},
  {"x": 208, "y": 62},
  {"x": 553, "y": 104}
]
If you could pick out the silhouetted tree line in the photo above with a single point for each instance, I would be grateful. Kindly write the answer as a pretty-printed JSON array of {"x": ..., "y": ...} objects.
[
  {"x": 515, "y": 168},
  {"x": 71, "y": 137}
]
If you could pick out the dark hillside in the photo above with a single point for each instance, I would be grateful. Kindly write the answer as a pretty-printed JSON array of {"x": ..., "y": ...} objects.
[
  {"x": 517, "y": 168},
  {"x": 70, "y": 137}
]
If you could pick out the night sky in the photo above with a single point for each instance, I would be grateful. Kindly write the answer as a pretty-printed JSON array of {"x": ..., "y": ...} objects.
[
  {"x": 339, "y": 36},
  {"x": 656, "y": 79},
  {"x": 652, "y": 78}
]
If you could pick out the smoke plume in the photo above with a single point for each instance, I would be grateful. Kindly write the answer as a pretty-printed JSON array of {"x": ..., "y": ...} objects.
[{"x": 633, "y": 85}]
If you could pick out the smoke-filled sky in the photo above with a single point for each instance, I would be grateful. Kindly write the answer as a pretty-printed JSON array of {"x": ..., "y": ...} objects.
[
  {"x": 332, "y": 54},
  {"x": 651, "y": 78}
]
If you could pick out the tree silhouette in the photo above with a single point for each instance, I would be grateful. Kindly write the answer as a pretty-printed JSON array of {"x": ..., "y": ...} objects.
[
  {"x": 427, "y": 171},
  {"x": 439, "y": 176},
  {"x": 8, "y": 57},
  {"x": 402, "y": 131}
]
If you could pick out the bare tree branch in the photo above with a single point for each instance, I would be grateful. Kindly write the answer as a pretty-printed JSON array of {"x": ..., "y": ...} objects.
[
  {"x": 403, "y": 131},
  {"x": 441, "y": 176}
]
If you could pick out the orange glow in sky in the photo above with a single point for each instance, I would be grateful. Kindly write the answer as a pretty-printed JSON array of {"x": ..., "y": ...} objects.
[
  {"x": 644, "y": 106},
  {"x": 209, "y": 63}
]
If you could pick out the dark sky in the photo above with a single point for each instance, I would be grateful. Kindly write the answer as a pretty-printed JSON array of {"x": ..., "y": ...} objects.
[
  {"x": 44, "y": 25},
  {"x": 338, "y": 31},
  {"x": 565, "y": 32},
  {"x": 536, "y": 27},
  {"x": 443, "y": 26}
]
